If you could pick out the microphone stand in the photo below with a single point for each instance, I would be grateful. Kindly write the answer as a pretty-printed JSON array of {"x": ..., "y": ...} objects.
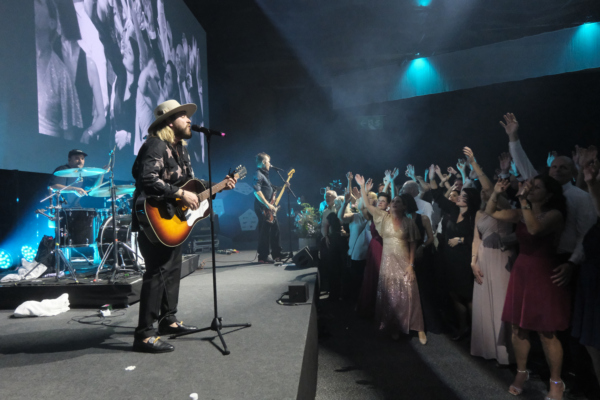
[
  {"x": 291, "y": 253},
  {"x": 217, "y": 322}
]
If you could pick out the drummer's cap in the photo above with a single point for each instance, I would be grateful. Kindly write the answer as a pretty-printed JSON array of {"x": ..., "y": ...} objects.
[{"x": 76, "y": 152}]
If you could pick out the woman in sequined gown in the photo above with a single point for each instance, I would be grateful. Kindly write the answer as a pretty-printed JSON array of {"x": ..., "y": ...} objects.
[
  {"x": 368, "y": 291},
  {"x": 398, "y": 307}
]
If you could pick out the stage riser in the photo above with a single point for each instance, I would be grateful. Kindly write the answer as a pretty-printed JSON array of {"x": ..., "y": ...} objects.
[{"x": 86, "y": 294}]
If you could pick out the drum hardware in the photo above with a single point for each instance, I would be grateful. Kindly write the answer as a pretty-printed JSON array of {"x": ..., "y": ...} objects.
[
  {"x": 56, "y": 218},
  {"x": 124, "y": 236},
  {"x": 117, "y": 247}
]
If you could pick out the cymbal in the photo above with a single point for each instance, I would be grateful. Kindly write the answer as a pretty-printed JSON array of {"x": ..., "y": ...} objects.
[
  {"x": 105, "y": 191},
  {"x": 77, "y": 172}
]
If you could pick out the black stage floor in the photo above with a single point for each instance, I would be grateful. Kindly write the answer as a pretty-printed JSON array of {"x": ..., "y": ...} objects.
[{"x": 77, "y": 355}]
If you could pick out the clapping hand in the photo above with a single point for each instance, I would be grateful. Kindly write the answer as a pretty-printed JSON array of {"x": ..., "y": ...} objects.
[
  {"x": 356, "y": 192},
  {"x": 462, "y": 166},
  {"x": 431, "y": 171},
  {"x": 369, "y": 185},
  {"x": 501, "y": 185},
  {"x": 410, "y": 172},
  {"x": 359, "y": 179},
  {"x": 524, "y": 188},
  {"x": 470, "y": 156},
  {"x": 587, "y": 156},
  {"x": 347, "y": 195},
  {"x": 551, "y": 156},
  {"x": 349, "y": 176},
  {"x": 513, "y": 168},
  {"x": 510, "y": 124},
  {"x": 395, "y": 173},
  {"x": 452, "y": 171},
  {"x": 590, "y": 172}
]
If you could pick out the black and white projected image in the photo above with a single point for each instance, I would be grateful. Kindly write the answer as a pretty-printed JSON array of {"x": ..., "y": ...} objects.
[{"x": 104, "y": 65}]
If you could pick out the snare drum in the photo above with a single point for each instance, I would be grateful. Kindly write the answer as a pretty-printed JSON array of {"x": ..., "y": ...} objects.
[{"x": 77, "y": 227}]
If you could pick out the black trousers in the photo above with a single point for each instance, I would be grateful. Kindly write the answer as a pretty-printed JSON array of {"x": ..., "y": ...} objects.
[
  {"x": 268, "y": 237},
  {"x": 160, "y": 287}
]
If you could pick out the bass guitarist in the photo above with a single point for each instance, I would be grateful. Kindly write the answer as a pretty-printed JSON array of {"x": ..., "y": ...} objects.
[
  {"x": 162, "y": 165},
  {"x": 268, "y": 227}
]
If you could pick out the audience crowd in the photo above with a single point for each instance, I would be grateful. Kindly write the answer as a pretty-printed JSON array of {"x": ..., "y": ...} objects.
[{"x": 495, "y": 260}]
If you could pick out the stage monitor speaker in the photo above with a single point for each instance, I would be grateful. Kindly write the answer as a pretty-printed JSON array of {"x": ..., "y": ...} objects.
[
  {"x": 298, "y": 292},
  {"x": 303, "y": 259}
]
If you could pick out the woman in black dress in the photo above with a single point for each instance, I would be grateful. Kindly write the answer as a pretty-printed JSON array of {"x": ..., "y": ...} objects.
[{"x": 457, "y": 250}]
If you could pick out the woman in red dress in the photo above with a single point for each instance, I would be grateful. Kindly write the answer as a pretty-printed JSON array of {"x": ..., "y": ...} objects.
[{"x": 533, "y": 301}]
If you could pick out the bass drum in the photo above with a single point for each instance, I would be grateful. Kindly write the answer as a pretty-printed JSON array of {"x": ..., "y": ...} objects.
[
  {"x": 77, "y": 227},
  {"x": 106, "y": 236}
]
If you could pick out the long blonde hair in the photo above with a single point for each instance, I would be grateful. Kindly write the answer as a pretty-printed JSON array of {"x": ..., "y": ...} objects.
[{"x": 166, "y": 134}]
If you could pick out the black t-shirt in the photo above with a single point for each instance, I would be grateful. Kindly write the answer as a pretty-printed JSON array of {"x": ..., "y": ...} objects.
[{"x": 263, "y": 184}]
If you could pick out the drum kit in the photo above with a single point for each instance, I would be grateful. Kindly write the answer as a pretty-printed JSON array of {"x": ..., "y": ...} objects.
[{"x": 108, "y": 229}]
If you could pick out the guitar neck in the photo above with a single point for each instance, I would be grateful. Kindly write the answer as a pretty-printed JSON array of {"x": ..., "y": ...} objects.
[{"x": 215, "y": 189}]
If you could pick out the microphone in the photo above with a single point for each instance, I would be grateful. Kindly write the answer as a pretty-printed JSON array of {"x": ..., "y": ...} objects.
[
  {"x": 277, "y": 168},
  {"x": 206, "y": 131}
]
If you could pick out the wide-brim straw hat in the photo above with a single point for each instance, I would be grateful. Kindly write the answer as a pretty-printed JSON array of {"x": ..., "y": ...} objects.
[{"x": 164, "y": 110}]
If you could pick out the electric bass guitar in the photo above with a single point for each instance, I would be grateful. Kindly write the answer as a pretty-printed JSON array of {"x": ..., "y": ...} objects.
[
  {"x": 154, "y": 216},
  {"x": 270, "y": 215}
]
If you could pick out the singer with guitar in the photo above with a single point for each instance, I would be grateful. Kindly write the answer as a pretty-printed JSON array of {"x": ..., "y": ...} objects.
[
  {"x": 268, "y": 227},
  {"x": 160, "y": 169}
]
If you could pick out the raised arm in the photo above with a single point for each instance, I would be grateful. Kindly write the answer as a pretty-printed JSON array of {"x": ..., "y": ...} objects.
[
  {"x": 410, "y": 172},
  {"x": 393, "y": 177},
  {"x": 582, "y": 159},
  {"x": 552, "y": 222},
  {"x": 512, "y": 216},
  {"x": 343, "y": 213},
  {"x": 433, "y": 169},
  {"x": 486, "y": 184},
  {"x": 511, "y": 127},
  {"x": 364, "y": 189},
  {"x": 592, "y": 179},
  {"x": 462, "y": 167}
]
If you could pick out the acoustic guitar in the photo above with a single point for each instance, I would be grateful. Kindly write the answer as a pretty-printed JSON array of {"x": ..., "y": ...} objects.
[
  {"x": 154, "y": 216},
  {"x": 270, "y": 215}
]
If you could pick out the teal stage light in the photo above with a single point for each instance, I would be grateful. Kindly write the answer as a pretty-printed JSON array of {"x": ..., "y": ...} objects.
[
  {"x": 5, "y": 259},
  {"x": 418, "y": 78},
  {"x": 28, "y": 253}
]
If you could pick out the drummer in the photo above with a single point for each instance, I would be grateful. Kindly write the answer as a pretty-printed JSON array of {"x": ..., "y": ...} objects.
[{"x": 74, "y": 195}]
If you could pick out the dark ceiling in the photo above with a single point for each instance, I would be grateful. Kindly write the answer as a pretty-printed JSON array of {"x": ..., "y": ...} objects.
[{"x": 333, "y": 36}]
